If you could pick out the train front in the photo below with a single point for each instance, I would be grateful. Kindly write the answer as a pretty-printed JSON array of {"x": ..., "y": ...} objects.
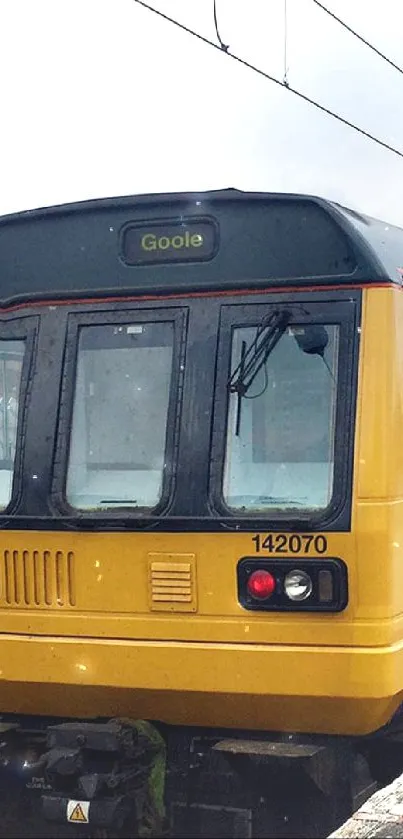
[{"x": 200, "y": 505}]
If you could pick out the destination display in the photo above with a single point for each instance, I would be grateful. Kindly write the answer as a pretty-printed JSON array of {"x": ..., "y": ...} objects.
[{"x": 185, "y": 240}]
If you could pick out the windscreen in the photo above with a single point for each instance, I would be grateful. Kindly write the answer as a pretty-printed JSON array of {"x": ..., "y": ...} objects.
[
  {"x": 281, "y": 432},
  {"x": 120, "y": 413},
  {"x": 11, "y": 360}
]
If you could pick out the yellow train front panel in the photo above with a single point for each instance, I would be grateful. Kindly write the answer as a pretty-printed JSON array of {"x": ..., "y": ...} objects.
[{"x": 148, "y": 621}]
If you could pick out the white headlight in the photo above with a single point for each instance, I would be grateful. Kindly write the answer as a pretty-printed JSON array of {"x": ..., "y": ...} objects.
[{"x": 297, "y": 585}]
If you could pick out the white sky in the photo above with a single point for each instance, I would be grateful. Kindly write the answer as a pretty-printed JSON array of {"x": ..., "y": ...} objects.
[{"x": 100, "y": 97}]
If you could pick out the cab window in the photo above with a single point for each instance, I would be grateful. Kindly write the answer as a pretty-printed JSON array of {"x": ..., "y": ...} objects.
[
  {"x": 119, "y": 426},
  {"x": 11, "y": 363}
]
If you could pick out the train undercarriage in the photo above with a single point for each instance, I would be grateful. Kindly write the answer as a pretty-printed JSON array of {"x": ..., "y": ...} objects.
[{"x": 129, "y": 778}]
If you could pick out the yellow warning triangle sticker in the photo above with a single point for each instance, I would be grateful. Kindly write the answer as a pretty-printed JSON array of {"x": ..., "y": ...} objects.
[{"x": 78, "y": 815}]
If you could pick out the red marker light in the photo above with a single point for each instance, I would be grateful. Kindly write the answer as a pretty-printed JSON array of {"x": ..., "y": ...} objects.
[{"x": 261, "y": 585}]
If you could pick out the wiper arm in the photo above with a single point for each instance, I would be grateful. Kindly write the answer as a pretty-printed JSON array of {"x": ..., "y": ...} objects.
[{"x": 252, "y": 359}]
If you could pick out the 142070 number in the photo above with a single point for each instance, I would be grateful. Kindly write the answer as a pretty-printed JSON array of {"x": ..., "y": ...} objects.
[{"x": 295, "y": 543}]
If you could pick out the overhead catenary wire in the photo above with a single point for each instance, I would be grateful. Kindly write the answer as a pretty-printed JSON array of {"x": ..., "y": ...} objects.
[
  {"x": 357, "y": 35},
  {"x": 270, "y": 78}
]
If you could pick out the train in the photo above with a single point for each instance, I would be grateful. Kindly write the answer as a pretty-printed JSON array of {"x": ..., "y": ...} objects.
[{"x": 201, "y": 515}]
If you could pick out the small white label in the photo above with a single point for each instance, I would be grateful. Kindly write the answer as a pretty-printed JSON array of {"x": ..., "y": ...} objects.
[
  {"x": 78, "y": 812},
  {"x": 134, "y": 330}
]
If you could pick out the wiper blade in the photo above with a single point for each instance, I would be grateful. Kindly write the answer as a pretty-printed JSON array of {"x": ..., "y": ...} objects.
[
  {"x": 269, "y": 332},
  {"x": 252, "y": 360}
]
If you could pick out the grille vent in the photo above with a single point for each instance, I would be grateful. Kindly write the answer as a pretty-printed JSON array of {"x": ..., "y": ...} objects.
[
  {"x": 172, "y": 582},
  {"x": 37, "y": 579}
]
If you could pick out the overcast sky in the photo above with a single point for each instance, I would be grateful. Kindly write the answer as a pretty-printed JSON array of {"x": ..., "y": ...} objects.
[{"x": 101, "y": 97}]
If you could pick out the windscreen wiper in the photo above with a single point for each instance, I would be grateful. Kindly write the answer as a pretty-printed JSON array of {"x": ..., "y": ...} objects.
[{"x": 255, "y": 356}]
